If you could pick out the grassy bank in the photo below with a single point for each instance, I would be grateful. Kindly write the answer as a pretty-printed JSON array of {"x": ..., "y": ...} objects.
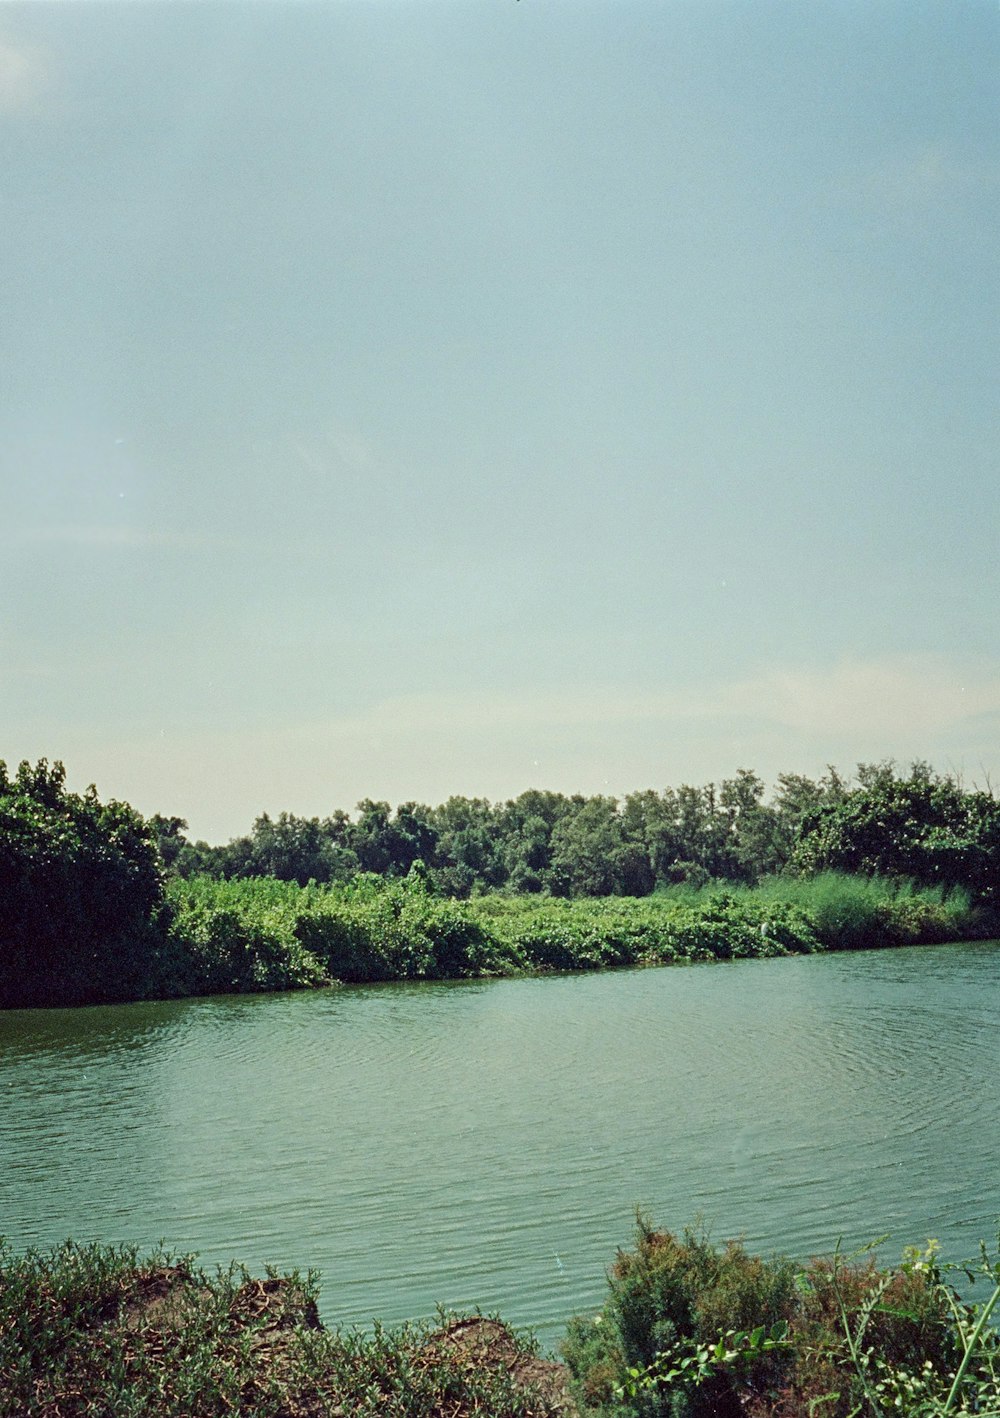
[
  {"x": 689, "y": 1330},
  {"x": 87, "y": 915},
  {"x": 92, "y": 1332},
  {"x": 262, "y": 934}
]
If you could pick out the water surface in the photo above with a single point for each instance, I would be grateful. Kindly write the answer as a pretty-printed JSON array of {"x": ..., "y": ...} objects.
[{"x": 486, "y": 1143}]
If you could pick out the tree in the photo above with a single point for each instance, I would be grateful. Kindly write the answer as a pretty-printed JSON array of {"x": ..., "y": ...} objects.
[
  {"x": 526, "y": 855},
  {"x": 594, "y": 855},
  {"x": 525, "y": 826},
  {"x": 751, "y": 849},
  {"x": 584, "y": 846},
  {"x": 81, "y": 883},
  {"x": 291, "y": 848},
  {"x": 923, "y": 827},
  {"x": 467, "y": 847},
  {"x": 414, "y": 836},
  {"x": 797, "y": 800},
  {"x": 387, "y": 844},
  {"x": 170, "y": 838}
]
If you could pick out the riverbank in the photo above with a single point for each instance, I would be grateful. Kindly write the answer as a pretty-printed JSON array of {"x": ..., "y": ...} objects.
[
  {"x": 98, "y": 905},
  {"x": 689, "y": 1328},
  {"x": 261, "y": 934},
  {"x": 92, "y": 1332}
]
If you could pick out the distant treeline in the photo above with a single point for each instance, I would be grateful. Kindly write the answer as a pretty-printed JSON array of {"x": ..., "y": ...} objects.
[
  {"x": 920, "y": 826},
  {"x": 98, "y": 904}
]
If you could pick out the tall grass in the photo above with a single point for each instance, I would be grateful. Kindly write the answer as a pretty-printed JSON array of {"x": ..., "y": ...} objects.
[
  {"x": 863, "y": 912},
  {"x": 262, "y": 934}
]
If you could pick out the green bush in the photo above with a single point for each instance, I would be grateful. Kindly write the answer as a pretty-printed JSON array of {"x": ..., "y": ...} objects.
[
  {"x": 236, "y": 937},
  {"x": 665, "y": 1292},
  {"x": 460, "y": 945},
  {"x": 694, "y": 1330},
  {"x": 371, "y": 929}
]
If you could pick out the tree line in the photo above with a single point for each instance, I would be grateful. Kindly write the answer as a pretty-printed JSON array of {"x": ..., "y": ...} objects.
[
  {"x": 95, "y": 901},
  {"x": 915, "y": 824}
]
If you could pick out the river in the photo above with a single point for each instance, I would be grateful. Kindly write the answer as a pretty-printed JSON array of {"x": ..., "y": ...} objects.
[{"x": 487, "y": 1143}]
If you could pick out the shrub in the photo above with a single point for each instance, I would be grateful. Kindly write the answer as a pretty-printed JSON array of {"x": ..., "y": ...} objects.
[
  {"x": 692, "y": 1330},
  {"x": 234, "y": 938},
  {"x": 667, "y": 1293},
  {"x": 371, "y": 929}
]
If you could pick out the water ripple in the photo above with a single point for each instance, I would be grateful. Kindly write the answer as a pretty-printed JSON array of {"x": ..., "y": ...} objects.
[{"x": 487, "y": 1143}]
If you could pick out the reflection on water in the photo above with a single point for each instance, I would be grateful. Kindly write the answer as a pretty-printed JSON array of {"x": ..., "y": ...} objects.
[
  {"x": 487, "y": 1143},
  {"x": 96, "y": 1030}
]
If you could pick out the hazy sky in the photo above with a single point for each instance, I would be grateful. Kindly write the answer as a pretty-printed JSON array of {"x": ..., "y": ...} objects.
[{"x": 406, "y": 399}]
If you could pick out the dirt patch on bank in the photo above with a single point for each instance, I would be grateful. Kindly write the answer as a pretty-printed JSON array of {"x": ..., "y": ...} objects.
[
  {"x": 480, "y": 1344},
  {"x": 182, "y": 1343}
]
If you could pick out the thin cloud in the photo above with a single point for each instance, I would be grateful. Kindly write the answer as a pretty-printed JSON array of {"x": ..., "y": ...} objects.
[
  {"x": 878, "y": 698},
  {"x": 429, "y": 746},
  {"x": 919, "y": 695}
]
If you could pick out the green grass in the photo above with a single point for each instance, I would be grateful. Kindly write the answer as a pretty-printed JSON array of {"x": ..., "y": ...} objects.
[
  {"x": 92, "y": 1331},
  {"x": 689, "y": 1329},
  {"x": 859, "y": 912}
]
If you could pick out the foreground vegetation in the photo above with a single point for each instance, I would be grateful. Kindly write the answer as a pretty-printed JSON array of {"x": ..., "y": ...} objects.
[
  {"x": 97, "y": 904},
  {"x": 92, "y": 1332},
  {"x": 689, "y": 1330},
  {"x": 695, "y": 1330}
]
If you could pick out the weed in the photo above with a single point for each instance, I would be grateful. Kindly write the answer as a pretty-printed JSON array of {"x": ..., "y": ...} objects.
[
  {"x": 692, "y": 1330},
  {"x": 94, "y": 1331}
]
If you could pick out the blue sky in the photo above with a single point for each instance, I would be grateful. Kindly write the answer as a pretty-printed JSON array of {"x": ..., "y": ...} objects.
[{"x": 406, "y": 399}]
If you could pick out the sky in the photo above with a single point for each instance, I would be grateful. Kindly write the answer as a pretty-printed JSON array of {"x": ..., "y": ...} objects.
[{"x": 401, "y": 400}]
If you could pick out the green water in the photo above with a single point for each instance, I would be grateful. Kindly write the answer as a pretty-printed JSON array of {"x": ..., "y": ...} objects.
[{"x": 486, "y": 1144}]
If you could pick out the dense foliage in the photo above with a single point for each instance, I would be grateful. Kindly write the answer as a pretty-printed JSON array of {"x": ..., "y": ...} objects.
[
  {"x": 695, "y": 1330},
  {"x": 920, "y": 826},
  {"x": 540, "y": 842},
  {"x": 80, "y": 885},
  {"x": 264, "y": 934},
  {"x": 96, "y": 904}
]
